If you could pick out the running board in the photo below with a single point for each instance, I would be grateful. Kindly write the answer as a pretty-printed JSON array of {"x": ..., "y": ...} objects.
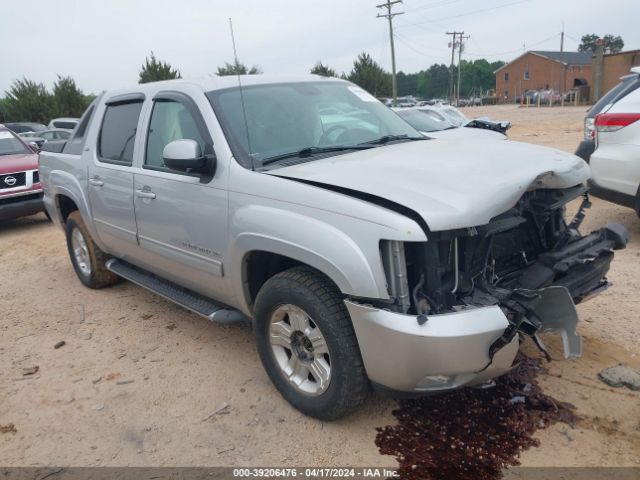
[{"x": 185, "y": 298}]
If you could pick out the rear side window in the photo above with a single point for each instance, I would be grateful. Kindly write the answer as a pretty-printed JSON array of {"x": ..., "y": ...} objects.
[
  {"x": 621, "y": 90},
  {"x": 118, "y": 133}
]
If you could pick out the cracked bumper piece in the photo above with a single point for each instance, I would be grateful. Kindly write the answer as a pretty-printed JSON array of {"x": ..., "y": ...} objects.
[{"x": 448, "y": 351}]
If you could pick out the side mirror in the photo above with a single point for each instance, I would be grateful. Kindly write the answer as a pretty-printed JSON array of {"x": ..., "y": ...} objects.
[
  {"x": 34, "y": 146},
  {"x": 186, "y": 156}
]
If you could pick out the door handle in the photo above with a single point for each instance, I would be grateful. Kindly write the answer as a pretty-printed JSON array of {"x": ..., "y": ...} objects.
[
  {"x": 96, "y": 182},
  {"x": 145, "y": 193}
]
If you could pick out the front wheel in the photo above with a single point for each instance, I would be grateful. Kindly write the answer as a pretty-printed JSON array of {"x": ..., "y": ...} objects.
[
  {"x": 86, "y": 257},
  {"x": 307, "y": 345}
]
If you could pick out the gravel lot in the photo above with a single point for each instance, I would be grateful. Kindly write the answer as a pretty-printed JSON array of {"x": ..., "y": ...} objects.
[{"x": 138, "y": 378}]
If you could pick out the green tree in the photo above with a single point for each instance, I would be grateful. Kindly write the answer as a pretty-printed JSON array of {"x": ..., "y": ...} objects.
[
  {"x": 370, "y": 76},
  {"x": 68, "y": 99},
  {"x": 237, "y": 68},
  {"x": 3, "y": 109},
  {"x": 612, "y": 43},
  {"x": 477, "y": 76},
  {"x": 28, "y": 101},
  {"x": 155, "y": 70},
  {"x": 323, "y": 70}
]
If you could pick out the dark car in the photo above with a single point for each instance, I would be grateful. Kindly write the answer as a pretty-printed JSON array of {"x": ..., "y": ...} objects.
[
  {"x": 627, "y": 84},
  {"x": 25, "y": 127}
]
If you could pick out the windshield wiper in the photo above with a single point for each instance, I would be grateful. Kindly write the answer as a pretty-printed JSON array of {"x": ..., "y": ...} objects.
[
  {"x": 390, "y": 138},
  {"x": 308, "y": 151}
]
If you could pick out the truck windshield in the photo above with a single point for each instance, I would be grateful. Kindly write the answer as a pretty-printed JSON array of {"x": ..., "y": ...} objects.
[
  {"x": 322, "y": 116},
  {"x": 10, "y": 145}
]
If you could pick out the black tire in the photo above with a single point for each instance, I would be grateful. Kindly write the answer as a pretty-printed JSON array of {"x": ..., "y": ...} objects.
[
  {"x": 98, "y": 276},
  {"x": 317, "y": 296}
]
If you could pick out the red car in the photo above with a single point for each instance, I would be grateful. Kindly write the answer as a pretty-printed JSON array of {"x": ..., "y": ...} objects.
[{"x": 20, "y": 187}]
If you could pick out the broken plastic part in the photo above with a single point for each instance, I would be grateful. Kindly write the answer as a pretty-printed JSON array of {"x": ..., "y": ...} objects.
[{"x": 555, "y": 310}]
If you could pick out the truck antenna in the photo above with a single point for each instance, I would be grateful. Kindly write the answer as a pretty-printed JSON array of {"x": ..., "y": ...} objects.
[{"x": 244, "y": 110}]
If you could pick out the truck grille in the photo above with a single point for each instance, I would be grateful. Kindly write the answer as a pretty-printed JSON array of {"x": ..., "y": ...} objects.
[
  {"x": 36, "y": 177},
  {"x": 13, "y": 180}
]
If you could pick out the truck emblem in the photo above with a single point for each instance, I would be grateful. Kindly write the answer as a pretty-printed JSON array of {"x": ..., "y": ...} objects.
[{"x": 11, "y": 181}]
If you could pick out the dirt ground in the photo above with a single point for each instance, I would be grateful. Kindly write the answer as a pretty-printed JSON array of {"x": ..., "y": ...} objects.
[{"x": 138, "y": 379}]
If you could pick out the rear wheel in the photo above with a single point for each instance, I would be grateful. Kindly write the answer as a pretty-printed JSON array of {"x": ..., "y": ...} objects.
[
  {"x": 87, "y": 259},
  {"x": 307, "y": 344}
]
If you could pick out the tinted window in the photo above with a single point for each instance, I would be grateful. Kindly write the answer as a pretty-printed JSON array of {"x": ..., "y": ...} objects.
[
  {"x": 170, "y": 120},
  {"x": 10, "y": 145},
  {"x": 624, "y": 88},
  {"x": 118, "y": 132}
]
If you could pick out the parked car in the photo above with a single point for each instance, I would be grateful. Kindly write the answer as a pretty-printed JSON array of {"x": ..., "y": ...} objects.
[
  {"x": 433, "y": 125},
  {"x": 627, "y": 84},
  {"x": 458, "y": 119},
  {"x": 25, "y": 127},
  {"x": 66, "y": 123},
  {"x": 48, "y": 135},
  {"x": 20, "y": 188},
  {"x": 615, "y": 163},
  {"x": 362, "y": 256}
]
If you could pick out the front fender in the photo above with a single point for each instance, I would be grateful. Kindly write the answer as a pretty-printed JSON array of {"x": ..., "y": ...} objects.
[{"x": 354, "y": 266}]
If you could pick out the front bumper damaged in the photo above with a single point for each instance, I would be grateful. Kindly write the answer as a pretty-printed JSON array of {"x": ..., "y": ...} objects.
[
  {"x": 449, "y": 351},
  {"x": 479, "y": 339}
]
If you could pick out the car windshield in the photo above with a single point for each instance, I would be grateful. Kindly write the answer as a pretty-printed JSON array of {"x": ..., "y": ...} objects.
[
  {"x": 455, "y": 116},
  {"x": 10, "y": 145},
  {"x": 424, "y": 121},
  {"x": 312, "y": 117}
]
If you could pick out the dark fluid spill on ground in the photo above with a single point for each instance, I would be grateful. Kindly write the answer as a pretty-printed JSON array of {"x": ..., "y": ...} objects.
[{"x": 472, "y": 434}]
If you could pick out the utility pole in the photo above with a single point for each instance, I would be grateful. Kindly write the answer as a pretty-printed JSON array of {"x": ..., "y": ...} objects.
[
  {"x": 562, "y": 39},
  {"x": 389, "y": 16},
  {"x": 453, "y": 51},
  {"x": 460, "y": 47}
]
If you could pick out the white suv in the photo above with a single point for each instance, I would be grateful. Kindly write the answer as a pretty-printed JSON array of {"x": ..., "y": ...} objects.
[{"x": 615, "y": 164}]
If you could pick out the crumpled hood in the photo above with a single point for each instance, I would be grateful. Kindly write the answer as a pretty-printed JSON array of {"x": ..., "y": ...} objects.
[{"x": 450, "y": 184}]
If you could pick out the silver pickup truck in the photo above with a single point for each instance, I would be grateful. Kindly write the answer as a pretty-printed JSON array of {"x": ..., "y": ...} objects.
[{"x": 362, "y": 253}]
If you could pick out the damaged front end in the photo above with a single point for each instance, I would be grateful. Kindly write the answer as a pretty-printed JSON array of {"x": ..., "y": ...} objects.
[{"x": 527, "y": 261}]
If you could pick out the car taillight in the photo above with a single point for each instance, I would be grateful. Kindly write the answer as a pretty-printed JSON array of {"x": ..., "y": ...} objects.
[
  {"x": 589, "y": 129},
  {"x": 610, "y": 122}
]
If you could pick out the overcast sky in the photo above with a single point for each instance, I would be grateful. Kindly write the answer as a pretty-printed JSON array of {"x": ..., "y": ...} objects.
[{"x": 102, "y": 44}]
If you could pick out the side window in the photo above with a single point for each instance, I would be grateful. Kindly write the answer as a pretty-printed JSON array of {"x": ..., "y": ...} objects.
[
  {"x": 170, "y": 120},
  {"x": 118, "y": 133}
]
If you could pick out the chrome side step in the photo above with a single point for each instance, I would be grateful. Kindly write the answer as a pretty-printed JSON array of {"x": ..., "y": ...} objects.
[{"x": 185, "y": 298}]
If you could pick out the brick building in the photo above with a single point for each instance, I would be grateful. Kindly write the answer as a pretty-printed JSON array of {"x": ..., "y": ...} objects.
[
  {"x": 616, "y": 65},
  {"x": 541, "y": 70}
]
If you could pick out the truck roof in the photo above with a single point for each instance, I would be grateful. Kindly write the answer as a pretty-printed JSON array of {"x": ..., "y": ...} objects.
[{"x": 218, "y": 83}]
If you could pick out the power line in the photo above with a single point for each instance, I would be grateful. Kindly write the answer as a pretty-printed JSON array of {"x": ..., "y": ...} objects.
[
  {"x": 515, "y": 50},
  {"x": 464, "y": 14},
  {"x": 389, "y": 16}
]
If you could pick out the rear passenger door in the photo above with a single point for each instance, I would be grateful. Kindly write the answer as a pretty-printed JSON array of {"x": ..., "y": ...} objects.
[
  {"x": 181, "y": 218},
  {"x": 110, "y": 182}
]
